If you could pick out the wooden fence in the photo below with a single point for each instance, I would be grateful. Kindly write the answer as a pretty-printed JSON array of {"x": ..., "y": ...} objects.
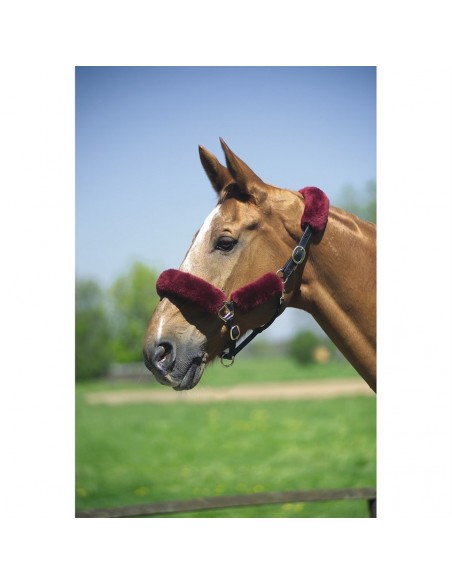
[{"x": 202, "y": 504}]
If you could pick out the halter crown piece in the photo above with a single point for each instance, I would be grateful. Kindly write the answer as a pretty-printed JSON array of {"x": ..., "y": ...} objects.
[{"x": 185, "y": 286}]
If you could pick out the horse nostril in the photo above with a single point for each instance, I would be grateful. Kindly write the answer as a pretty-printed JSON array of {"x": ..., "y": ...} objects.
[{"x": 162, "y": 356}]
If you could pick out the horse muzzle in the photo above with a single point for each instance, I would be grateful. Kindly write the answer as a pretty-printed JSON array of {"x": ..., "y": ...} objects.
[{"x": 178, "y": 365}]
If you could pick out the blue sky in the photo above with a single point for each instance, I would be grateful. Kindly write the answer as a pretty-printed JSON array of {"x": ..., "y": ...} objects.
[{"x": 141, "y": 192}]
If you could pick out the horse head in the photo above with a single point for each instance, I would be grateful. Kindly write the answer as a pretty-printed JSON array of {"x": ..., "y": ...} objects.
[{"x": 248, "y": 235}]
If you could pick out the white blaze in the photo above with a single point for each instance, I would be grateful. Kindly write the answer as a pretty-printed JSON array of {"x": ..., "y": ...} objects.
[
  {"x": 190, "y": 259},
  {"x": 160, "y": 326}
]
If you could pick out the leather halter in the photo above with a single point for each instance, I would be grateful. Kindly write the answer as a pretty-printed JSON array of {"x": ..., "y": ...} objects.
[
  {"x": 268, "y": 287},
  {"x": 226, "y": 313}
]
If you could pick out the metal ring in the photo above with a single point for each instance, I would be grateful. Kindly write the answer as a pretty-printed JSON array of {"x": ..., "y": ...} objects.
[
  {"x": 224, "y": 364},
  {"x": 284, "y": 281}
]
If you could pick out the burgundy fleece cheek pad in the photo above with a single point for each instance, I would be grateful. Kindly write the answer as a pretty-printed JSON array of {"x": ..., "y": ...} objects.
[
  {"x": 252, "y": 295},
  {"x": 196, "y": 290}
]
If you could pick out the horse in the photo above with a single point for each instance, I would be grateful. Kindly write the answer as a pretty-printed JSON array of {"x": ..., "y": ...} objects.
[{"x": 231, "y": 281}]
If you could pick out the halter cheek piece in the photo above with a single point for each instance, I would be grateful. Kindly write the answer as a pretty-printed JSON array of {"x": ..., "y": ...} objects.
[{"x": 245, "y": 299}]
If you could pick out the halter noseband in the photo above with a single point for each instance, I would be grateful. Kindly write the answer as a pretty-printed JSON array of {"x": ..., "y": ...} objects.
[{"x": 245, "y": 299}]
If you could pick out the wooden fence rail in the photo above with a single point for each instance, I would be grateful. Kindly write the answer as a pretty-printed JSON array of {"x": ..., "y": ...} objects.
[{"x": 203, "y": 504}]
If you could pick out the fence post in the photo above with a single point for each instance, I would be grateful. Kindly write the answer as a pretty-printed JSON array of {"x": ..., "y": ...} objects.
[{"x": 372, "y": 503}]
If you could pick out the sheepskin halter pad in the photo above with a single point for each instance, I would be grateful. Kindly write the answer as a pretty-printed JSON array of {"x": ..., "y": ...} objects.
[
  {"x": 316, "y": 208},
  {"x": 196, "y": 290},
  {"x": 270, "y": 286}
]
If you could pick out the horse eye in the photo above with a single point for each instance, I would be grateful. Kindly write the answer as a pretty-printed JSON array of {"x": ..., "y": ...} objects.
[{"x": 225, "y": 243}]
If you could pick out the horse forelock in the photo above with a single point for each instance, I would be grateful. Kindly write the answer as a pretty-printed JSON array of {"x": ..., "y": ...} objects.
[{"x": 232, "y": 191}]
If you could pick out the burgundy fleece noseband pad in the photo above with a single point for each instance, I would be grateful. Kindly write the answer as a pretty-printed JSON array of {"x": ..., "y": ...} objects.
[{"x": 189, "y": 287}]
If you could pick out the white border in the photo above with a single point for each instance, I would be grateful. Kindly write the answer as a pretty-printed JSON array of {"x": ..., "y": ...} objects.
[{"x": 42, "y": 42}]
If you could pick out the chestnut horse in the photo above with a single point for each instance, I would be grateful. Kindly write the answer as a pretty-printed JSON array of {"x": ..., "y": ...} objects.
[{"x": 252, "y": 232}]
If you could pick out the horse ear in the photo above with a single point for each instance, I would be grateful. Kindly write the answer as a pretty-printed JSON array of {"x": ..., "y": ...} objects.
[
  {"x": 248, "y": 182},
  {"x": 218, "y": 174}
]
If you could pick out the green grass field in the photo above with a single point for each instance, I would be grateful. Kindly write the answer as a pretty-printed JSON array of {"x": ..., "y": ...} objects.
[{"x": 157, "y": 452}]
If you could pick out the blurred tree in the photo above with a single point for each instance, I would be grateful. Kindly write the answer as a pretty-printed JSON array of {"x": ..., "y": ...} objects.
[
  {"x": 362, "y": 203},
  {"x": 134, "y": 299},
  {"x": 302, "y": 346},
  {"x": 92, "y": 334}
]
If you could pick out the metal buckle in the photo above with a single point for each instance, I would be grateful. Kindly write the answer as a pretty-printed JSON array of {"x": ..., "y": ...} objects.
[
  {"x": 226, "y": 312},
  {"x": 234, "y": 333},
  {"x": 298, "y": 254}
]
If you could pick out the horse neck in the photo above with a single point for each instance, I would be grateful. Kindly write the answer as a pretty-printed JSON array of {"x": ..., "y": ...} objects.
[{"x": 338, "y": 287}]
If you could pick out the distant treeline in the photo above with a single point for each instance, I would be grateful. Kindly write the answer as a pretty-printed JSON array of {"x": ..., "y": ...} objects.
[{"x": 110, "y": 323}]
